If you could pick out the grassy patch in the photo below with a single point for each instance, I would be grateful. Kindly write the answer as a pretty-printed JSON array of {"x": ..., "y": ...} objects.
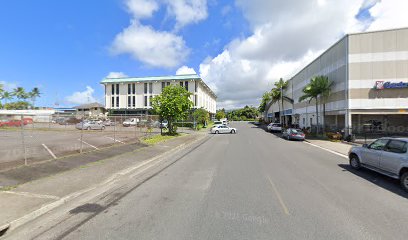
[
  {"x": 159, "y": 138},
  {"x": 7, "y": 188}
]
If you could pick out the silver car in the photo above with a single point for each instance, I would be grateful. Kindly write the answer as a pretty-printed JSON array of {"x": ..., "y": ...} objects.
[
  {"x": 387, "y": 156},
  {"x": 223, "y": 129},
  {"x": 293, "y": 134},
  {"x": 88, "y": 125}
]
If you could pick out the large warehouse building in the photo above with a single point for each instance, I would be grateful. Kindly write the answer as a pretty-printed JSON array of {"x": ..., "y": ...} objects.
[
  {"x": 370, "y": 75},
  {"x": 133, "y": 95}
]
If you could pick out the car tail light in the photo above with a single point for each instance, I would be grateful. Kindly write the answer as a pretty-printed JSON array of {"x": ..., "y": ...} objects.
[{"x": 293, "y": 135}]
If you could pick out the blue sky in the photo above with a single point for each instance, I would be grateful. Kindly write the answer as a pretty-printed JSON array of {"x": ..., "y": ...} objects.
[{"x": 66, "y": 47}]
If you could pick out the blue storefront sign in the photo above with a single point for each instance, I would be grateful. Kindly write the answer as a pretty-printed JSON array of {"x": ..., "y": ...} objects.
[{"x": 379, "y": 85}]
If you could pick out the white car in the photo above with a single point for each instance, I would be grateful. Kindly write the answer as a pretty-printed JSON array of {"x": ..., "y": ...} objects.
[
  {"x": 274, "y": 127},
  {"x": 223, "y": 129},
  {"x": 130, "y": 122}
]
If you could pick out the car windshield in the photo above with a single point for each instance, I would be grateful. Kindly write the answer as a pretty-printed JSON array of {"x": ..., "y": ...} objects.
[{"x": 297, "y": 131}]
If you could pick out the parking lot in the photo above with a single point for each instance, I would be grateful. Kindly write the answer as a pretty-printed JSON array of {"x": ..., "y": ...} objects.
[{"x": 44, "y": 141}]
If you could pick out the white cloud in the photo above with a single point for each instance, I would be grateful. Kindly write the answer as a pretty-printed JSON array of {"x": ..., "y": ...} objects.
[
  {"x": 155, "y": 48},
  {"x": 150, "y": 46},
  {"x": 389, "y": 14},
  {"x": 85, "y": 96},
  {"x": 185, "y": 70},
  {"x": 187, "y": 11},
  {"x": 142, "y": 8},
  {"x": 284, "y": 39},
  {"x": 116, "y": 75}
]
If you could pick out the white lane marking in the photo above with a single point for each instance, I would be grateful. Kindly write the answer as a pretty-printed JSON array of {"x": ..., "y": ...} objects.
[
  {"x": 49, "y": 151},
  {"x": 88, "y": 144},
  {"x": 27, "y": 194},
  {"x": 116, "y": 140},
  {"x": 334, "y": 152}
]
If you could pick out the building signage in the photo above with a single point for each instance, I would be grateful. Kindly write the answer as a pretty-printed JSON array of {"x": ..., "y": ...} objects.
[{"x": 380, "y": 85}]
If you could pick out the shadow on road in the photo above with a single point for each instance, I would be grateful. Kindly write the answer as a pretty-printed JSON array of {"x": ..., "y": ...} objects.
[{"x": 390, "y": 184}]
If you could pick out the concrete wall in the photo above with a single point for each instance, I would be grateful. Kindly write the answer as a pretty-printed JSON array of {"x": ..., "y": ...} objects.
[
  {"x": 332, "y": 63},
  {"x": 378, "y": 56}
]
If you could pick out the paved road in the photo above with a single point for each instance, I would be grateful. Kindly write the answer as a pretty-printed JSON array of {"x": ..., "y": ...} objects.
[{"x": 254, "y": 185}]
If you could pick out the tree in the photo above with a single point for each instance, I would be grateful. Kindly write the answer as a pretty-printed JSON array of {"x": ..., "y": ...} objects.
[
  {"x": 325, "y": 86},
  {"x": 6, "y": 96},
  {"x": 201, "y": 116},
  {"x": 276, "y": 97},
  {"x": 281, "y": 85},
  {"x": 20, "y": 93},
  {"x": 172, "y": 104},
  {"x": 220, "y": 114},
  {"x": 266, "y": 98},
  {"x": 318, "y": 88},
  {"x": 34, "y": 94},
  {"x": 19, "y": 105}
]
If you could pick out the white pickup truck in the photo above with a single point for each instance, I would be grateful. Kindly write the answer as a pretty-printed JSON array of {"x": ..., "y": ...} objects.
[{"x": 130, "y": 122}]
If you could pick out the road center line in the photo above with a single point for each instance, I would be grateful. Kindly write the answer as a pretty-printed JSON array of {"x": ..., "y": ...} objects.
[
  {"x": 334, "y": 152},
  {"x": 49, "y": 151},
  {"x": 88, "y": 144},
  {"x": 115, "y": 139},
  {"x": 282, "y": 203}
]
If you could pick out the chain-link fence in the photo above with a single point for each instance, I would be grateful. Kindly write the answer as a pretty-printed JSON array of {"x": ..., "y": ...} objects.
[{"x": 27, "y": 139}]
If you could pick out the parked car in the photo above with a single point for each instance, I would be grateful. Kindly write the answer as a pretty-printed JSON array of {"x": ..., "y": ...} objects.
[
  {"x": 130, "y": 122},
  {"x": 293, "y": 134},
  {"x": 108, "y": 122},
  {"x": 88, "y": 125},
  {"x": 11, "y": 123},
  {"x": 223, "y": 129},
  {"x": 387, "y": 156},
  {"x": 164, "y": 124},
  {"x": 274, "y": 127}
]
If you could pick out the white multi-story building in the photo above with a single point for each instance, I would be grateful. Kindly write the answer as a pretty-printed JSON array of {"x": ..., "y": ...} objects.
[{"x": 133, "y": 95}]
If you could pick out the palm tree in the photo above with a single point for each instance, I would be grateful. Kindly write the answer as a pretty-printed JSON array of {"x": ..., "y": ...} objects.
[
  {"x": 6, "y": 96},
  {"x": 325, "y": 86},
  {"x": 34, "y": 94},
  {"x": 20, "y": 93},
  {"x": 276, "y": 97},
  {"x": 318, "y": 88},
  {"x": 281, "y": 85},
  {"x": 266, "y": 98},
  {"x": 310, "y": 92}
]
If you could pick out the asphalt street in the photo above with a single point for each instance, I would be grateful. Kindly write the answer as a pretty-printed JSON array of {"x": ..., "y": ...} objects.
[{"x": 255, "y": 185}]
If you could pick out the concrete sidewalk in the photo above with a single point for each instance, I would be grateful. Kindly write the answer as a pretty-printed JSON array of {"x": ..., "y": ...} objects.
[
  {"x": 338, "y": 147},
  {"x": 24, "y": 202}
]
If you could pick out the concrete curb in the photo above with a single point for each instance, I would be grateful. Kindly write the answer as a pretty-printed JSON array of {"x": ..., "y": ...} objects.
[{"x": 115, "y": 177}]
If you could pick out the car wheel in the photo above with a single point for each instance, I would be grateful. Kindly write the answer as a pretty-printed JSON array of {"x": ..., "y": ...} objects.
[
  {"x": 232, "y": 131},
  {"x": 216, "y": 132},
  {"x": 355, "y": 162},
  {"x": 88, "y": 128},
  {"x": 404, "y": 181},
  {"x": 103, "y": 128}
]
